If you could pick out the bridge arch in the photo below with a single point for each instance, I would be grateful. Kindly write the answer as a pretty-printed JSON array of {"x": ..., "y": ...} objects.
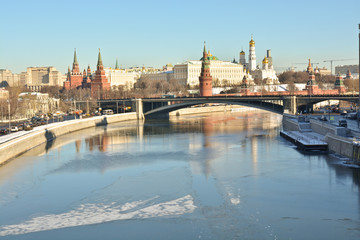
[
  {"x": 275, "y": 106},
  {"x": 306, "y": 103}
]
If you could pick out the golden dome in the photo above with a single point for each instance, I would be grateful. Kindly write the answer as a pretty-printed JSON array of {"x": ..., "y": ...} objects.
[
  {"x": 242, "y": 53},
  {"x": 265, "y": 61},
  {"x": 252, "y": 42}
]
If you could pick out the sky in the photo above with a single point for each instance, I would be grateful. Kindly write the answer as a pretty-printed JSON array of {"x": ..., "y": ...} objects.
[{"x": 154, "y": 33}]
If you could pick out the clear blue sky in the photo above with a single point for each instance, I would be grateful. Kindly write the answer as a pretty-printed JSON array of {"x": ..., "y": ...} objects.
[{"x": 153, "y": 33}]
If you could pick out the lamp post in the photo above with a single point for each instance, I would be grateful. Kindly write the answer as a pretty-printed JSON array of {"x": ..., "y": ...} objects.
[{"x": 9, "y": 114}]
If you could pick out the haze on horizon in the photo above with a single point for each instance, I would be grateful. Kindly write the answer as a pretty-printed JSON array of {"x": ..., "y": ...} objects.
[{"x": 45, "y": 33}]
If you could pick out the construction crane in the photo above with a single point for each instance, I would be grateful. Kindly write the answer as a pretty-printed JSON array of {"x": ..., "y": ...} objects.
[
  {"x": 337, "y": 60},
  {"x": 279, "y": 69}
]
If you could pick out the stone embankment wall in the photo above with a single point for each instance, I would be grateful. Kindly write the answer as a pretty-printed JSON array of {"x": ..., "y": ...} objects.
[
  {"x": 334, "y": 136},
  {"x": 324, "y": 128},
  {"x": 290, "y": 124},
  {"x": 340, "y": 145},
  {"x": 19, "y": 145}
]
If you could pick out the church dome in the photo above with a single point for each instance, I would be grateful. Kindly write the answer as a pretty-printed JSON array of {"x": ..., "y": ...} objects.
[
  {"x": 242, "y": 52},
  {"x": 265, "y": 61},
  {"x": 252, "y": 42}
]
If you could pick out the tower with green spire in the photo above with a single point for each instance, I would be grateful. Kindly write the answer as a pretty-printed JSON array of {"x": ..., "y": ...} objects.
[
  {"x": 74, "y": 78},
  {"x": 100, "y": 63},
  {"x": 100, "y": 84},
  {"x": 117, "y": 64},
  {"x": 205, "y": 79},
  {"x": 75, "y": 68}
]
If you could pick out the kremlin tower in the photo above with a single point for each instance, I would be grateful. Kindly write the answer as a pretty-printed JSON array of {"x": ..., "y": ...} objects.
[
  {"x": 87, "y": 78},
  {"x": 309, "y": 68},
  {"x": 74, "y": 78},
  {"x": 311, "y": 86},
  {"x": 99, "y": 85},
  {"x": 252, "y": 56},
  {"x": 339, "y": 83},
  {"x": 205, "y": 78}
]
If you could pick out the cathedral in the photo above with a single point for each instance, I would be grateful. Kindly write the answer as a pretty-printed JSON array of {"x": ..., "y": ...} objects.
[{"x": 266, "y": 73}]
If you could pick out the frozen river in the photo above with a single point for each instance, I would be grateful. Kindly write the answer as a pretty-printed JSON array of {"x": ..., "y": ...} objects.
[{"x": 214, "y": 176}]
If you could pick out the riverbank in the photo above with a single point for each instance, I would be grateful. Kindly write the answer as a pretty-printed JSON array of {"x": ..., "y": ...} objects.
[
  {"x": 13, "y": 146},
  {"x": 340, "y": 140}
]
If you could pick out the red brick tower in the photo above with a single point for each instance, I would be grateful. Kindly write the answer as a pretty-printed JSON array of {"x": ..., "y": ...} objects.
[
  {"x": 311, "y": 86},
  {"x": 99, "y": 84},
  {"x": 205, "y": 79},
  {"x": 339, "y": 84},
  {"x": 87, "y": 78},
  {"x": 75, "y": 77}
]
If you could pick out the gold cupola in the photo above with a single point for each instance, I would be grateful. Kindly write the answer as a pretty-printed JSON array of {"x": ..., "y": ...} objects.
[{"x": 252, "y": 42}]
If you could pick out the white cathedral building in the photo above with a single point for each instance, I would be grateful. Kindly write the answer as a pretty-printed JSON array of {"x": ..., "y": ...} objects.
[{"x": 266, "y": 73}]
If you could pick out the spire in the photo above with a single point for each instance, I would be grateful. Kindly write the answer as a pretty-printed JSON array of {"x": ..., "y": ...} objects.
[
  {"x": 117, "y": 64},
  {"x": 205, "y": 54},
  {"x": 68, "y": 74},
  {"x": 309, "y": 68},
  {"x": 99, "y": 59},
  {"x": 75, "y": 57}
]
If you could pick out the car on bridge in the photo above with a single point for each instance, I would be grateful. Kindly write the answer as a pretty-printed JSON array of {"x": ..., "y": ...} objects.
[
  {"x": 343, "y": 123},
  {"x": 323, "y": 118}
]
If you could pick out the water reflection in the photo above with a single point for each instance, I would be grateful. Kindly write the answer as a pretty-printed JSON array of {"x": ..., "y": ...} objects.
[{"x": 230, "y": 175}]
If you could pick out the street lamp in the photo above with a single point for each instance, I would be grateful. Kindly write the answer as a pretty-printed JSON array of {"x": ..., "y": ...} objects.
[{"x": 9, "y": 114}]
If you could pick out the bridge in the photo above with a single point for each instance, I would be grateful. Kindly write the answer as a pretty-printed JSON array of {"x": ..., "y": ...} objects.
[
  {"x": 160, "y": 107},
  {"x": 150, "y": 108}
]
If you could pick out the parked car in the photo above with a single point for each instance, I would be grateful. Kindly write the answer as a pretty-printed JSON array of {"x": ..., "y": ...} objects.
[
  {"x": 28, "y": 127},
  {"x": 342, "y": 123},
  {"x": 323, "y": 118},
  {"x": 14, "y": 129},
  {"x": 343, "y": 112},
  {"x": 3, "y": 131}
]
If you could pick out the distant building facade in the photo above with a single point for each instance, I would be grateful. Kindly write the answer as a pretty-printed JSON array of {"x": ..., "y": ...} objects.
[
  {"x": 37, "y": 77},
  {"x": 353, "y": 69},
  {"x": 7, "y": 78},
  {"x": 222, "y": 72},
  {"x": 121, "y": 77},
  {"x": 34, "y": 102}
]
